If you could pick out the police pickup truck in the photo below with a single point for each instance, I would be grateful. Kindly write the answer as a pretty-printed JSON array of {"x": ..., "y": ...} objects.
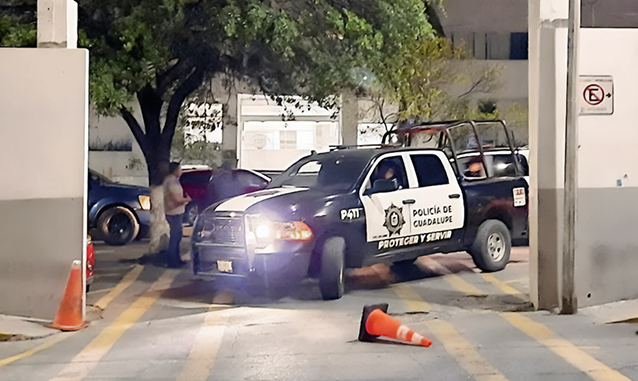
[{"x": 353, "y": 207}]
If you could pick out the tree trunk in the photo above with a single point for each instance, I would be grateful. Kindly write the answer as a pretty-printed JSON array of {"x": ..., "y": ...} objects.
[
  {"x": 157, "y": 163},
  {"x": 157, "y": 160},
  {"x": 155, "y": 143},
  {"x": 157, "y": 154}
]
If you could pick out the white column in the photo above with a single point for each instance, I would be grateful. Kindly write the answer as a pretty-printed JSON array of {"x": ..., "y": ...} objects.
[
  {"x": 547, "y": 95},
  {"x": 57, "y": 24}
]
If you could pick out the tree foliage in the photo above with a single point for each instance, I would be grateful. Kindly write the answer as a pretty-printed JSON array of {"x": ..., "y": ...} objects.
[
  {"x": 436, "y": 81},
  {"x": 17, "y": 23},
  {"x": 161, "y": 51}
]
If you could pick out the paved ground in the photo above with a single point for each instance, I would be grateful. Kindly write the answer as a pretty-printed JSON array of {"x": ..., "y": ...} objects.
[{"x": 152, "y": 323}]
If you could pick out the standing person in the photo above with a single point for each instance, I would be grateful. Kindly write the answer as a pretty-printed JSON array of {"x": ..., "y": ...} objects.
[
  {"x": 175, "y": 207},
  {"x": 222, "y": 184}
]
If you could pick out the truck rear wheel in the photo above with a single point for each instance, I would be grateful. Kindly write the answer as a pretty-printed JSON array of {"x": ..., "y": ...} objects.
[
  {"x": 331, "y": 279},
  {"x": 492, "y": 246}
]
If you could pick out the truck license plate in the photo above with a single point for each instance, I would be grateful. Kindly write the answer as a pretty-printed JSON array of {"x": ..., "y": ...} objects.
[{"x": 225, "y": 266}]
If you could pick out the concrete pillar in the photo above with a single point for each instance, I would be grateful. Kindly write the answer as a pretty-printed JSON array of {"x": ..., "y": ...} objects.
[
  {"x": 547, "y": 95},
  {"x": 349, "y": 118},
  {"x": 43, "y": 207},
  {"x": 57, "y": 24}
]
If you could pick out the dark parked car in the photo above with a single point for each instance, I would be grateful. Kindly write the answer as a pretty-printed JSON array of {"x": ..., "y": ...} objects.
[
  {"x": 119, "y": 212},
  {"x": 195, "y": 183}
]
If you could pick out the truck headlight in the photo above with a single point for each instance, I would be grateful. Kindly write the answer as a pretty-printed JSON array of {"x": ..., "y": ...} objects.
[
  {"x": 262, "y": 231},
  {"x": 294, "y": 231},
  {"x": 145, "y": 202}
]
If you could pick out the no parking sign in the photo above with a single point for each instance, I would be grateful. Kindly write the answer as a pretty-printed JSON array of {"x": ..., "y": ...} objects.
[{"x": 596, "y": 95}]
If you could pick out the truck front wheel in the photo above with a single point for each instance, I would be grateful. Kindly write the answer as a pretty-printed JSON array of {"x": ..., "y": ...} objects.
[
  {"x": 331, "y": 281},
  {"x": 492, "y": 246}
]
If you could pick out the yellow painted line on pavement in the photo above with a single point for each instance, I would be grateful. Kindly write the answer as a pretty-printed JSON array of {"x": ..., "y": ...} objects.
[
  {"x": 463, "y": 352},
  {"x": 506, "y": 288},
  {"x": 89, "y": 357},
  {"x": 413, "y": 300},
  {"x": 47, "y": 344},
  {"x": 126, "y": 281},
  {"x": 462, "y": 285},
  {"x": 454, "y": 280},
  {"x": 203, "y": 354},
  {"x": 565, "y": 349}
]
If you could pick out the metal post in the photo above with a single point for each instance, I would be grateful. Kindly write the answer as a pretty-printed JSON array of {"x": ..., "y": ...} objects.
[{"x": 569, "y": 302}]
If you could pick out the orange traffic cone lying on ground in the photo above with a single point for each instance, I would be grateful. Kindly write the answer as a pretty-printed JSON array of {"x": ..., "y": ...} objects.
[
  {"x": 376, "y": 322},
  {"x": 69, "y": 316}
]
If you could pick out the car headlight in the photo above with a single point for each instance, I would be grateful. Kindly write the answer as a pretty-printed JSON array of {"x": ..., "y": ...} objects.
[
  {"x": 145, "y": 202},
  {"x": 262, "y": 231}
]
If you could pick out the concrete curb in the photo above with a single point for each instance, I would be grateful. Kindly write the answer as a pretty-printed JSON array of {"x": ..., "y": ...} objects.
[{"x": 15, "y": 328}]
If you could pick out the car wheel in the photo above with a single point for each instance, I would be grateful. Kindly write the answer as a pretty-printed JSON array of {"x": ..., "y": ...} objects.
[
  {"x": 492, "y": 246},
  {"x": 192, "y": 210},
  {"x": 331, "y": 279},
  {"x": 118, "y": 226}
]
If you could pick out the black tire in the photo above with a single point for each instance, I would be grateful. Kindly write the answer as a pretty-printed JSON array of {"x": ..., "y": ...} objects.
[
  {"x": 118, "y": 226},
  {"x": 192, "y": 210},
  {"x": 492, "y": 246},
  {"x": 331, "y": 279}
]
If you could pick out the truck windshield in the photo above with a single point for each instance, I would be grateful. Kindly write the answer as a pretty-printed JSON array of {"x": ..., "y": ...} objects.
[{"x": 330, "y": 172}]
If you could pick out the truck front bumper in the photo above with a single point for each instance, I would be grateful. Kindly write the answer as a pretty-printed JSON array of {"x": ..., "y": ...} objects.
[{"x": 282, "y": 268}]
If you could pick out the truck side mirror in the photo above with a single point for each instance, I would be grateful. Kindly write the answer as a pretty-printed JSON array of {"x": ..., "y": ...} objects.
[{"x": 383, "y": 185}]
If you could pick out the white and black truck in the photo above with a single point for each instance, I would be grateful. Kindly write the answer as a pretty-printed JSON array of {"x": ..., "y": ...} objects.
[{"x": 354, "y": 206}]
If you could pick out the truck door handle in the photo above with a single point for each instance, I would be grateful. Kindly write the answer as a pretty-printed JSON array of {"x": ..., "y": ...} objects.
[
  {"x": 454, "y": 195},
  {"x": 409, "y": 201}
]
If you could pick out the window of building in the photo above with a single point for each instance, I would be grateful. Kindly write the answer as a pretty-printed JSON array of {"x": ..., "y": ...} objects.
[
  {"x": 287, "y": 139},
  {"x": 494, "y": 45},
  {"x": 519, "y": 46}
]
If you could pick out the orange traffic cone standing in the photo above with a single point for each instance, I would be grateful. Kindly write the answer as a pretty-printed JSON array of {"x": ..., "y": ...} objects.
[
  {"x": 375, "y": 322},
  {"x": 69, "y": 316}
]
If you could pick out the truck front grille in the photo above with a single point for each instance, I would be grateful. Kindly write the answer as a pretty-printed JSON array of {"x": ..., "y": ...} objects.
[{"x": 224, "y": 230}]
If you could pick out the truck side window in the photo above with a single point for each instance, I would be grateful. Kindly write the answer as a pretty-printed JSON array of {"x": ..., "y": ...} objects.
[
  {"x": 429, "y": 170},
  {"x": 388, "y": 168},
  {"x": 472, "y": 167},
  {"x": 501, "y": 165}
]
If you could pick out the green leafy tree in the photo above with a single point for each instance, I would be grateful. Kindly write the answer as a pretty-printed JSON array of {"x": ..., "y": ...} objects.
[
  {"x": 17, "y": 23},
  {"x": 435, "y": 82},
  {"x": 159, "y": 52}
]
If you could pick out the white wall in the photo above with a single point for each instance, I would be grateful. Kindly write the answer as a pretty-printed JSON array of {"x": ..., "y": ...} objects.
[
  {"x": 261, "y": 129},
  {"x": 43, "y": 164},
  {"x": 116, "y": 165},
  {"x": 608, "y": 143},
  {"x": 484, "y": 16},
  {"x": 607, "y": 244}
]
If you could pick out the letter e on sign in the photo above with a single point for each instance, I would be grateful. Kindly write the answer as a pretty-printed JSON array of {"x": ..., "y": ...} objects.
[{"x": 519, "y": 197}]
